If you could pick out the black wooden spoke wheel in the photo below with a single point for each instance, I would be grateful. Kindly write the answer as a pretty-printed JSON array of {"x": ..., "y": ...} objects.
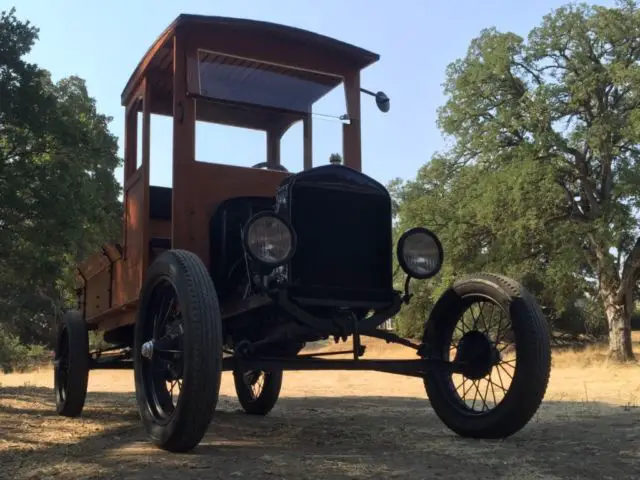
[
  {"x": 177, "y": 351},
  {"x": 71, "y": 365},
  {"x": 495, "y": 330},
  {"x": 257, "y": 390}
]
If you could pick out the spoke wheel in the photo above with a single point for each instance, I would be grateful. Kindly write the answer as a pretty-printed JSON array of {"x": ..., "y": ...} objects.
[
  {"x": 71, "y": 365},
  {"x": 162, "y": 352},
  {"x": 483, "y": 341},
  {"x": 258, "y": 391},
  {"x": 494, "y": 329},
  {"x": 177, "y": 351}
]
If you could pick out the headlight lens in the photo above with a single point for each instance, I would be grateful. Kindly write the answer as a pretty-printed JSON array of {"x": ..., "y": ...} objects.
[
  {"x": 420, "y": 253},
  {"x": 269, "y": 239}
]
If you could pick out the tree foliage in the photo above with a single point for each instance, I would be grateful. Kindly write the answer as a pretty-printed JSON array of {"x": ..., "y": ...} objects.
[
  {"x": 58, "y": 192},
  {"x": 543, "y": 177}
]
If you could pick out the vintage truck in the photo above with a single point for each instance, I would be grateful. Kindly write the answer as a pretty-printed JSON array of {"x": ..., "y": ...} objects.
[{"x": 237, "y": 268}]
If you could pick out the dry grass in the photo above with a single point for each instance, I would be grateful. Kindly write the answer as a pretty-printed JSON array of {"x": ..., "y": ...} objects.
[
  {"x": 332, "y": 425},
  {"x": 589, "y": 355}
]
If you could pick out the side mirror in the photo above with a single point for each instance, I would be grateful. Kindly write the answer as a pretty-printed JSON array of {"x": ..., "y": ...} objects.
[{"x": 382, "y": 101}]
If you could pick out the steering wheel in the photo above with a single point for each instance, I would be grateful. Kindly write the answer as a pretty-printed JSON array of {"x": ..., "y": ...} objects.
[{"x": 282, "y": 168}]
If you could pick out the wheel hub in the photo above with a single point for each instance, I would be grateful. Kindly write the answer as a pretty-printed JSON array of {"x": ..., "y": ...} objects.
[
  {"x": 147, "y": 349},
  {"x": 477, "y": 354}
]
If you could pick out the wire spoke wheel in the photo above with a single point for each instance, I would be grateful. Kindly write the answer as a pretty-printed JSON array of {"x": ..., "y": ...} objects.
[
  {"x": 492, "y": 329},
  {"x": 177, "y": 351},
  {"x": 483, "y": 336},
  {"x": 163, "y": 332},
  {"x": 255, "y": 380},
  {"x": 258, "y": 390}
]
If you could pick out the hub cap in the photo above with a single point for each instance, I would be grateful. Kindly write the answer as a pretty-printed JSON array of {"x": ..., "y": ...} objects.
[
  {"x": 147, "y": 349},
  {"x": 478, "y": 354}
]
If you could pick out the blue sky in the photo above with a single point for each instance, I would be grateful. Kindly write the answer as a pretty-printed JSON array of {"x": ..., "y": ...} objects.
[{"x": 103, "y": 42}]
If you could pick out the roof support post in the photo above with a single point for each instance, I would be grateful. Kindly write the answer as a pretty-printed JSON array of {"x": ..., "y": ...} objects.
[
  {"x": 184, "y": 122},
  {"x": 130, "y": 160},
  {"x": 351, "y": 146},
  {"x": 146, "y": 167},
  {"x": 308, "y": 141},
  {"x": 273, "y": 148},
  {"x": 130, "y": 139}
]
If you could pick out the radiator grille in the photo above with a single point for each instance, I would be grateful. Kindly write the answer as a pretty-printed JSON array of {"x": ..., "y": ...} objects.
[{"x": 344, "y": 239}]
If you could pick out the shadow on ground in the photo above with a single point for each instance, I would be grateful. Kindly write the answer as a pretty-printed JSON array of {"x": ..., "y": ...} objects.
[{"x": 317, "y": 437}]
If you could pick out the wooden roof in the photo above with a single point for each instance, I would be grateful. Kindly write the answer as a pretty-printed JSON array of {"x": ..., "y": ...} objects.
[{"x": 249, "y": 48}]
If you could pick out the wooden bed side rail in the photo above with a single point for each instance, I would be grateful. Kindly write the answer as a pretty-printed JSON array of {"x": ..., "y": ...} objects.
[{"x": 100, "y": 260}]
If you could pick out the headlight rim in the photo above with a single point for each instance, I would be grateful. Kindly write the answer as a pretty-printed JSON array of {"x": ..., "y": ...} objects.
[
  {"x": 245, "y": 238},
  {"x": 401, "y": 259}
]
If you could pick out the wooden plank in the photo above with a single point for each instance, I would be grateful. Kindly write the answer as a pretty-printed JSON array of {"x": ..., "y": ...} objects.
[
  {"x": 94, "y": 265},
  {"x": 97, "y": 293},
  {"x": 146, "y": 60},
  {"x": 270, "y": 48},
  {"x": 208, "y": 185},
  {"x": 114, "y": 318},
  {"x": 111, "y": 312},
  {"x": 146, "y": 167}
]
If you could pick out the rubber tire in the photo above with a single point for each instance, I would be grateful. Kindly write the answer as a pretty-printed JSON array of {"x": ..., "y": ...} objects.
[
  {"x": 533, "y": 353},
  {"x": 75, "y": 327},
  {"x": 202, "y": 367},
  {"x": 267, "y": 398}
]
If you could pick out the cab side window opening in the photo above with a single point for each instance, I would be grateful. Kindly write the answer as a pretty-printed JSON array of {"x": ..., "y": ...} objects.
[
  {"x": 161, "y": 151},
  {"x": 139, "y": 140},
  {"x": 229, "y": 145}
]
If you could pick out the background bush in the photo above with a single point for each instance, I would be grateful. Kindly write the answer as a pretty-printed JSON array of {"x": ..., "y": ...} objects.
[{"x": 17, "y": 357}]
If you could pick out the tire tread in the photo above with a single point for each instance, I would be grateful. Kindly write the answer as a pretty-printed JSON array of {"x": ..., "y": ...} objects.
[
  {"x": 528, "y": 389},
  {"x": 78, "y": 376},
  {"x": 200, "y": 387}
]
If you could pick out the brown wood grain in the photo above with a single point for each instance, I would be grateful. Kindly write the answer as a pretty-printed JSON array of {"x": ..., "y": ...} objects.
[{"x": 162, "y": 84}]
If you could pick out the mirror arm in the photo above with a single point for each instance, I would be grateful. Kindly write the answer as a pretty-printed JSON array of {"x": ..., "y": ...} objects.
[{"x": 382, "y": 101}]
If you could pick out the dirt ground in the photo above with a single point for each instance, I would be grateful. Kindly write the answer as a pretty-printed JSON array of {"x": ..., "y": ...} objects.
[{"x": 330, "y": 425}]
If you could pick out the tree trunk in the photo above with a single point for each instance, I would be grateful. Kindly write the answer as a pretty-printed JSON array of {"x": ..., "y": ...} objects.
[{"x": 619, "y": 320}]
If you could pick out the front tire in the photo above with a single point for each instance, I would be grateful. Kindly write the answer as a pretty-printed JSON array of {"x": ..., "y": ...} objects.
[
  {"x": 177, "y": 341},
  {"x": 484, "y": 349},
  {"x": 71, "y": 365}
]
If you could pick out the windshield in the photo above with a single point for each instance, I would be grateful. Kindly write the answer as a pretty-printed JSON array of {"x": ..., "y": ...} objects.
[{"x": 236, "y": 79}]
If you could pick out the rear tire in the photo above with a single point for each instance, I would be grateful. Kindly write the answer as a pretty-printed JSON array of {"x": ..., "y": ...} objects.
[
  {"x": 187, "y": 351},
  {"x": 71, "y": 365},
  {"x": 532, "y": 354},
  {"x": 258, "y": 403}
]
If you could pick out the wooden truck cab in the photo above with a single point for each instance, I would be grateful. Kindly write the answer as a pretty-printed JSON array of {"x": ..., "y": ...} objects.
[{"x": 226, "y": 71}]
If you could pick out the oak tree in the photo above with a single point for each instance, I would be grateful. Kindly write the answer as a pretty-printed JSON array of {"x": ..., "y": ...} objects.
[
  {"x": 543, "y": 170},
  {"x": 58, "y": 192}
]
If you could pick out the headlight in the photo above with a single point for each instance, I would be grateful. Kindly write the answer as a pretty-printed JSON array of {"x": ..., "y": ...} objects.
[
  {"x": 420, "y": 253},
  {"x": 269, "y": 239}
]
